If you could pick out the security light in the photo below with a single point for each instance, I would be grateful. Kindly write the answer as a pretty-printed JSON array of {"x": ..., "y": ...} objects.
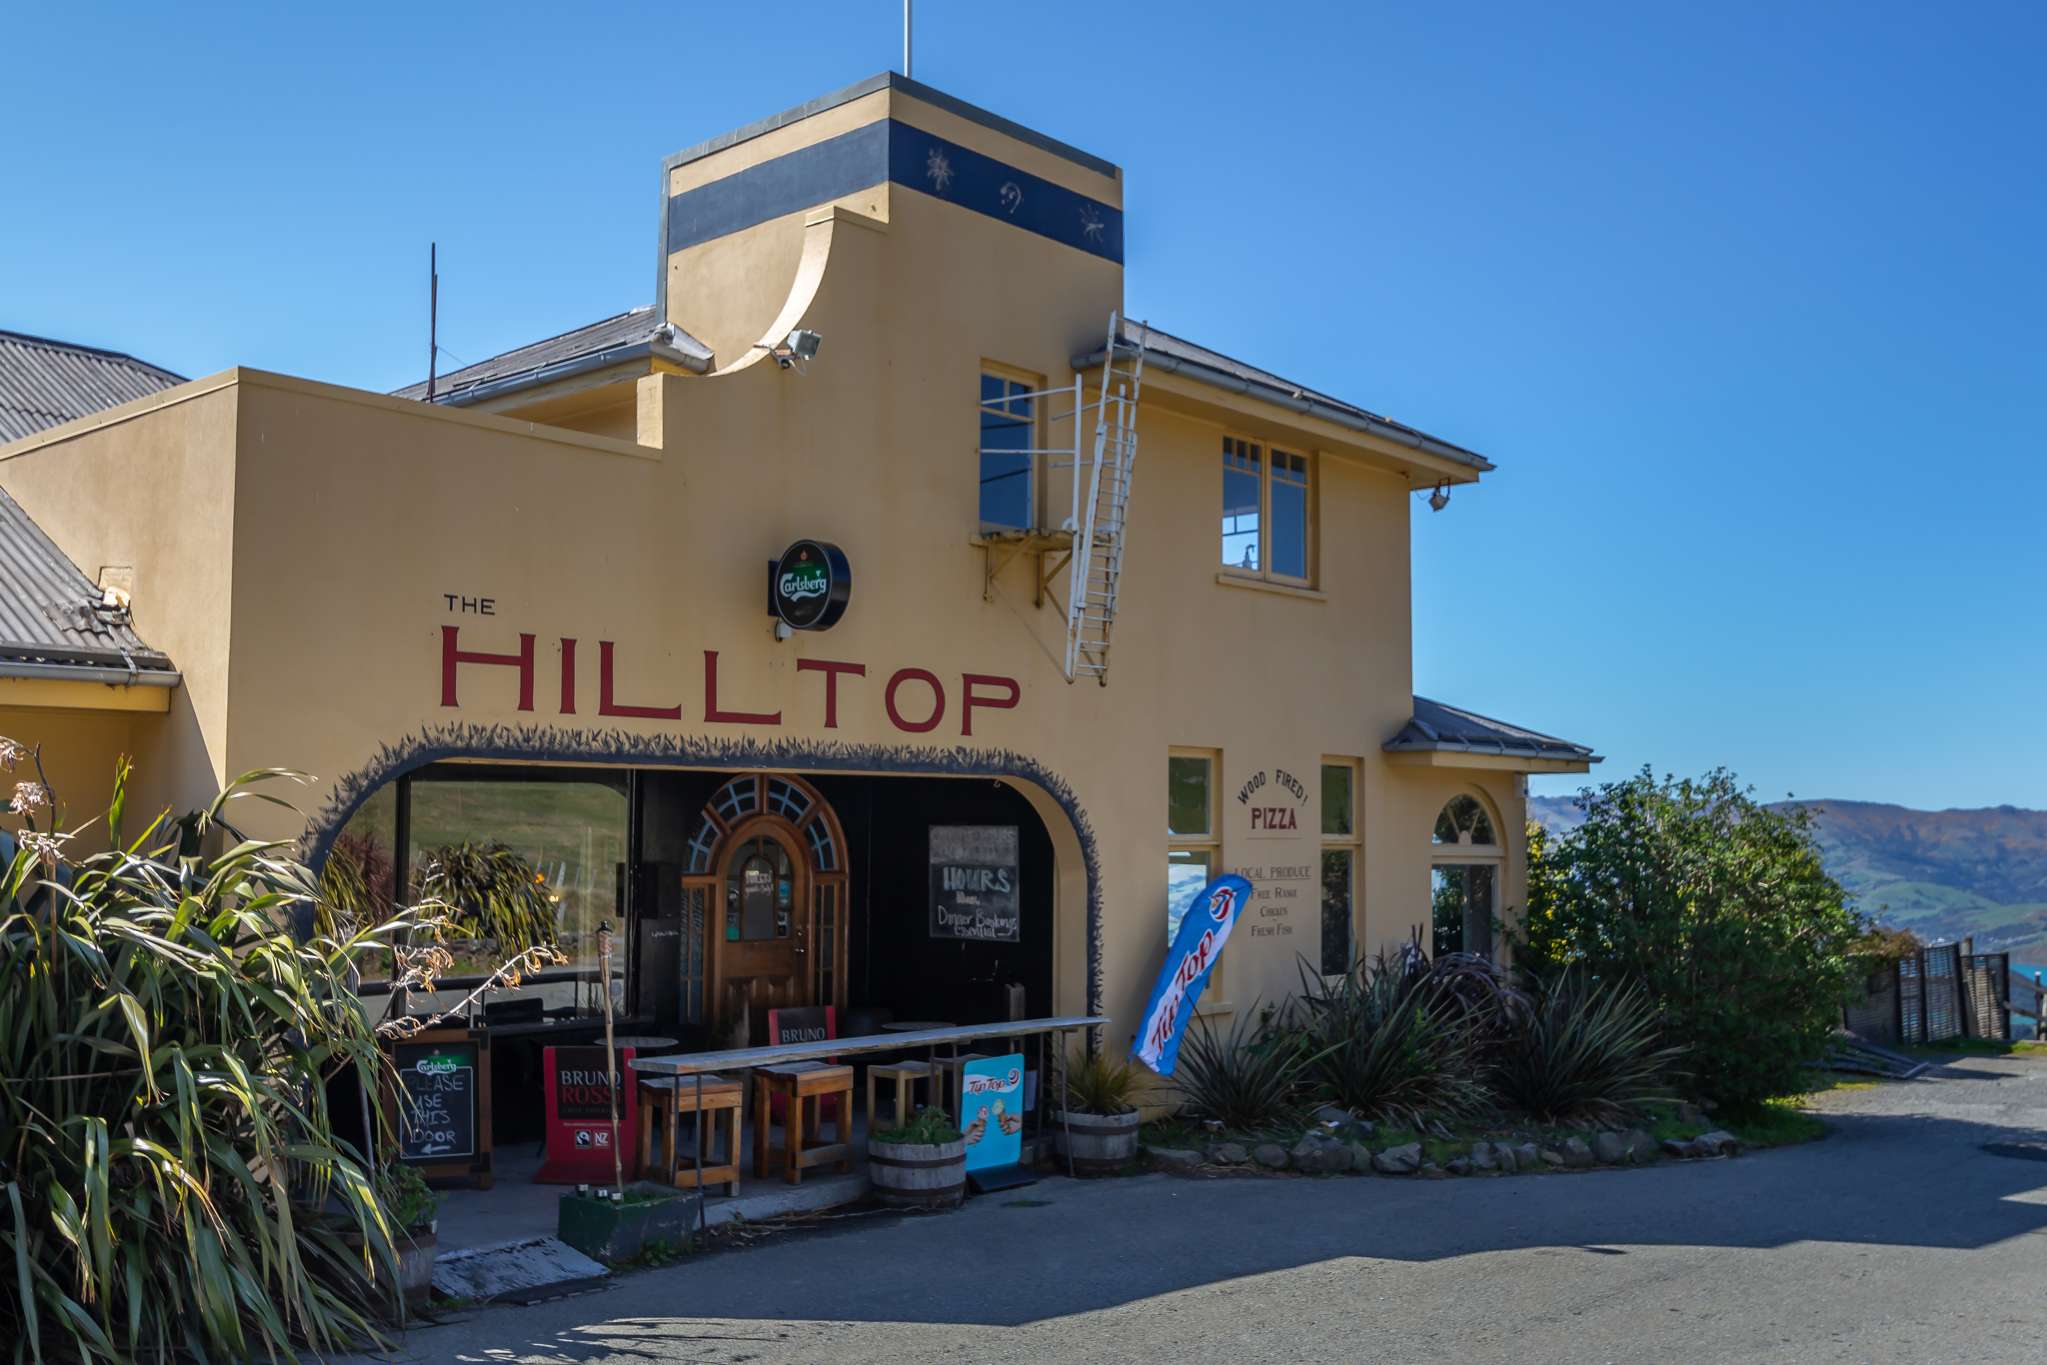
[
  {"x": 1439, "y": 499},
  {"x": 799, "y": 346}
]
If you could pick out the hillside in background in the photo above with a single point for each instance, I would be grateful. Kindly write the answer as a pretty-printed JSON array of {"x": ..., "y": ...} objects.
[{"x": 1944, "y": 874}]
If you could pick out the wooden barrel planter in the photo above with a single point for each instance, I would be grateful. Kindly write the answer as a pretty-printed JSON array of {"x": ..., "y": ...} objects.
[
  {"x": 1099, "y": 1144},
  {"x": 916, "y": 1175}
]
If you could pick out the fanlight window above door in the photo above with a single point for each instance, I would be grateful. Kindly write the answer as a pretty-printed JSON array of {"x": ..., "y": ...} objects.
[{"x": 1465, "y": 822}]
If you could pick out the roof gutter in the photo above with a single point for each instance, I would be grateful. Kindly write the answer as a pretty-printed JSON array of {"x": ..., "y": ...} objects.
[
  {"x": 659, "y": 346},
  {"x": 1499, "y": 747},
  {"x": 96, "y": 673},
  {"x": 1264, "y": 393}
]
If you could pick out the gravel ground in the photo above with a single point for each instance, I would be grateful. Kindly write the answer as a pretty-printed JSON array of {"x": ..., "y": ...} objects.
[{"x": 1898, "y": 1237}]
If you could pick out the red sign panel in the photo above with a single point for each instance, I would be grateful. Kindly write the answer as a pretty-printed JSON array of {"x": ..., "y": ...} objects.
[{"x": 579, "y": 1116}]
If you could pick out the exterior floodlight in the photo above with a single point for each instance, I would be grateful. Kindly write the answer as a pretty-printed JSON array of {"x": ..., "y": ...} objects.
[
  {"x": 1439, "y": 499},
  {"x": 796, "y": 348}
]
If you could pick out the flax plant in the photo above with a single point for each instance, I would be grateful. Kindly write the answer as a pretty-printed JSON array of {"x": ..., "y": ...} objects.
[{"x": 171, "y": 1185}]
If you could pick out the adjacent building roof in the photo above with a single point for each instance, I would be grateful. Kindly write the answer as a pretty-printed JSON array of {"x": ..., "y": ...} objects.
[
  {"x": 631, "y": 335},
  {"x": 52, "y": 614},
  {"x": 45, "y": 383},
  {"x": 1450, "y": 729},
  {"x": 1164, "y": 351}
]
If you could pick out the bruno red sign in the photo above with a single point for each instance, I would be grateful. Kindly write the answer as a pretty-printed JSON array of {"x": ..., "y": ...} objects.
[{"x": 579, "y": 1116}]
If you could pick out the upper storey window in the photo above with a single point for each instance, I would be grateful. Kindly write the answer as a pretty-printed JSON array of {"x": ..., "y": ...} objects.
[
  {"x": 1006, "y": 424},
  {"x": 1265, "y": 513}
]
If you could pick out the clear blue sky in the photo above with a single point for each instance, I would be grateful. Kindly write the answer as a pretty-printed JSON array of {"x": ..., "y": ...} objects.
[{"x": 1746, "y": 301}]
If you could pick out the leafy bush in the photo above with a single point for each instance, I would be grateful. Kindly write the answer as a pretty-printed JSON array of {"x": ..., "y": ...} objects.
[
  {"x": 1394, "y": 1043},
  {"x": 1588, "y": 1050},
  {"x": 1718, "y": 907},
  {"x": 932, "y": 1127},
  {"x": 1247, "y": 1079},
  {"x": 171, "y": 1185},
  {"x": 1100, "y": 1084}
]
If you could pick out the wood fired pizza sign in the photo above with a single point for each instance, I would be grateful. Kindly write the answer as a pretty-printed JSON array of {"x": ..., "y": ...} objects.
[{"x": 1277, "y": 801}]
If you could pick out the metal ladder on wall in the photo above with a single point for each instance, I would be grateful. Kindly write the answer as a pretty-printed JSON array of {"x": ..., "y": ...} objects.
[{"x": 1097, "y": 561}]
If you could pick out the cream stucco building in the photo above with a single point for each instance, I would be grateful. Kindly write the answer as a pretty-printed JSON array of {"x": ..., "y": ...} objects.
[{"x": 537, "y": 608}]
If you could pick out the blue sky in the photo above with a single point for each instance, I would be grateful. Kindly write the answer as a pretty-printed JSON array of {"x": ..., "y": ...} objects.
[{"x": 1745, "y": 300}]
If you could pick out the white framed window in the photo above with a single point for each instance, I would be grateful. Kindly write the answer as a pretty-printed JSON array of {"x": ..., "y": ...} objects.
[
  {"x": 1342, "y": 859},
  {"x": 1008, "y": 436},
  {"x": 1267, "y": 512},
  {"x": 1464, "y": 875}
]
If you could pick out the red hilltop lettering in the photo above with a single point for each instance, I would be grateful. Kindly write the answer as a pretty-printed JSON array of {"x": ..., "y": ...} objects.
[
  {"x": 930, "y": 679},
  {"x": 451, "y": 655},
  {"x": 831, "y": 668},
  {"x": 714, "y": 714},
  {"x": 969, "y": 700},
  {"x": 607, "y": 707}
]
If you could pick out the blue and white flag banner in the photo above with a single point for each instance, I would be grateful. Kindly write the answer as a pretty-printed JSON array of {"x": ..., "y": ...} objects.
[{"x": 1204, "y": 927}]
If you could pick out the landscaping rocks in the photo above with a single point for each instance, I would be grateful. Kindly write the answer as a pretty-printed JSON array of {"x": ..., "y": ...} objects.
[
  {"x": 1610, "y": 1149},
  {"x": 1641, "y": 1147},
  {"x": 1577, "y": 1155},
  {"x": 1527, "y": 1156},
  {"x": 1229, "y": 1154},
  {"x": 1719, "y": 1142},
  {"x": 1402, "y": 1160},
  {"x": 1678, "y": 1147},
  {"x": 1180, "y": 1159},
  {"x": 1551, "y": 1158},
  {"x": 1481, "y": 1158},
  {"x": 1270, "y": 1155},
  {"x": 1360, "y": 1156},
  {"x": 1431, "y": 1171},
  {"x": 1319, "y": 1155},
  {"x": 1458, "y": 1165}
]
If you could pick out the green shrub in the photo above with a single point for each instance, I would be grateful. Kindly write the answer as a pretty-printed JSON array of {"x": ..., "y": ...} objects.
[
  {"x": 1246, "y": 1079},
  {"x": 1391, "y": 1044},
  {"x": 932, "y": 1127},
  {"x": 171, "y": 1186},
  {"x": 1720, "y": 909},
  {"x": 1588, "y": 1050},
  {"x": 1100, "y": 1084}
]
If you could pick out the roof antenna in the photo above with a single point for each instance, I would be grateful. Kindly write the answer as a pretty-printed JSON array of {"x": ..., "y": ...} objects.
[
  {"x": 906, "y": 39},
  {"x": 433, "y": 310}
]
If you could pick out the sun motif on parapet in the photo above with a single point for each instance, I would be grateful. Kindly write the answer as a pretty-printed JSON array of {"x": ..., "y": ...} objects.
[
  {"x": 1011, "y": 195},
  {"x": 1091, "y": 225},
  {"x": 939, "y": 169}
]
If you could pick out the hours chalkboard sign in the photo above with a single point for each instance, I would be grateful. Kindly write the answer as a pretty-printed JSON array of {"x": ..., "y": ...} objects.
[
  {"x": 441, "y": 1105},
  {"x": 974, "y": 883}
]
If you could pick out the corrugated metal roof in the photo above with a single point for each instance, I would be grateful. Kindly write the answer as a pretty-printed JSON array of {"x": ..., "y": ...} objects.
[
  {"x": 50, "y": 613},
  {"x": 1178, "y": 351},
  {"x": 628, "y": 334},
  {"x": 1450, "y": 728},
  {"x": 45, "y": 383}
]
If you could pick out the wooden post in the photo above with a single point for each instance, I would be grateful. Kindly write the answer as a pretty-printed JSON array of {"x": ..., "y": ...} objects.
[{"x": 610, "y": 1052}]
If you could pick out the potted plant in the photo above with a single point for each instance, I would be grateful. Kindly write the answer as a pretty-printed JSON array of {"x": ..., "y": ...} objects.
[
  {"x": 1097, "y": 1129},
  {"x": 615, "y": 1226},
  {"x": 920, "y": 1165},
  {"x": 412, "y": 1207}
]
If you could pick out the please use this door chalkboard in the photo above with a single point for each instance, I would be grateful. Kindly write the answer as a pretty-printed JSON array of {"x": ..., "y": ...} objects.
[
  {"x": 442, "y": 1104},
  {"x": 974, "y": 883}
]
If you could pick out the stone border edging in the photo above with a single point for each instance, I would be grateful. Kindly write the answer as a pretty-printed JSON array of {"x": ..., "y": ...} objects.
[{"x": 1334, "y": 1153}]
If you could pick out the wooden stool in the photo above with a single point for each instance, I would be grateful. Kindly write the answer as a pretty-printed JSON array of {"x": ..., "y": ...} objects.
[
  {"x": 674, "y": 1096},
  {"x": 902, "y": 1078},
  {"x": 804, "y": 1084},
  {"x": 952, "y": 1075}
]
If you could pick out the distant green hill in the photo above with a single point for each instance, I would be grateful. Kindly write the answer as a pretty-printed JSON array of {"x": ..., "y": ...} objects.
[{"x": 1945, "y": 874}]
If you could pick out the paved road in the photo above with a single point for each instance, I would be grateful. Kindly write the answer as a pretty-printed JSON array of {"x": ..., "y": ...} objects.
[{"x": 1897, "y": 1238}]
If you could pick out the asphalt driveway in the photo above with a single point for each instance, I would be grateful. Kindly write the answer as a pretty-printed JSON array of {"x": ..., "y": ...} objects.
[{"x": 1897, "y": 1238}]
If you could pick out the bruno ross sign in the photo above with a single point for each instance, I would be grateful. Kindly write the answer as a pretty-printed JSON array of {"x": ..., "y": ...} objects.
[{"x": 809, "y": 586}]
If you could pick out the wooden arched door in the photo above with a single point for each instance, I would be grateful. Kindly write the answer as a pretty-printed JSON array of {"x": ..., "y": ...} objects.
[{"x": 767, "y": 863}]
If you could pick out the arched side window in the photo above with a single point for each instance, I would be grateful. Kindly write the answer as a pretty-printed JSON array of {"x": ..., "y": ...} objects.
[{"x": 1464, "y": 874}]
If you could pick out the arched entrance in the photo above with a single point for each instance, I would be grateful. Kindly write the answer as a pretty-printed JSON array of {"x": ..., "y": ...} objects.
[{"x": 766, "y": 878}]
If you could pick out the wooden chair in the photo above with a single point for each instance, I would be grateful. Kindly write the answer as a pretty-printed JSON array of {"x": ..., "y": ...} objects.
[
  {"x": 803, "y": 1088},
  {"x": 675, "y": 1096},
  {"x": 903, "y": 1078}
]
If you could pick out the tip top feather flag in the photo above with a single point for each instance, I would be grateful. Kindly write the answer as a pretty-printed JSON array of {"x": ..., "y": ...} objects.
[{"x": 1204, "y": 928}]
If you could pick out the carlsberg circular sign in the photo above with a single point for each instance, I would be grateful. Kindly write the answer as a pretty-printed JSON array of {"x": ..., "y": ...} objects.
[{"x": 812, "y": 585}]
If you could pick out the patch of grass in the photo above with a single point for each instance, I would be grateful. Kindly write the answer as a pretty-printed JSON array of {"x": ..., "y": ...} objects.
[
  {"x": 1974, "y": 1047},
  {"x": 1776, "y": 1123}
]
